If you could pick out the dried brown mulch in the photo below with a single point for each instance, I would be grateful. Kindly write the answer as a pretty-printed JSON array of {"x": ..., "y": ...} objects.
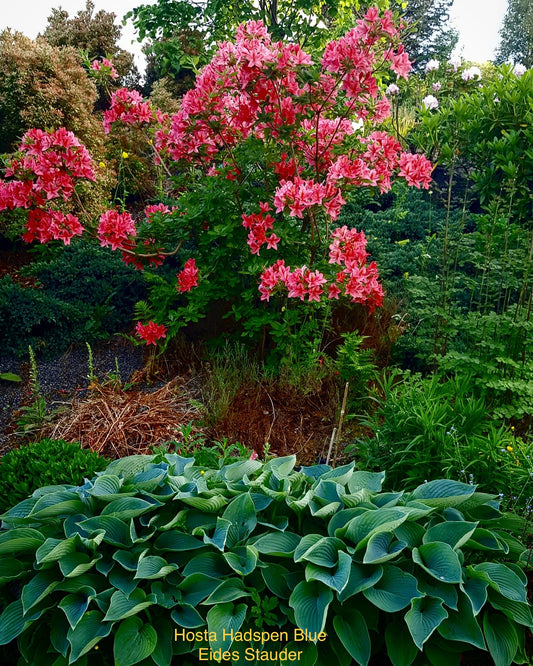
[{"x": 117, "y": 423}]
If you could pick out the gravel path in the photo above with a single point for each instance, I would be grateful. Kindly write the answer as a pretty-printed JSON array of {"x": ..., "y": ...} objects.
[{"x": 61, "y": 378}]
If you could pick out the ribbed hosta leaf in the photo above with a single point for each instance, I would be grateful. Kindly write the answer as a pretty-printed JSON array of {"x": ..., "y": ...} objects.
[{"x": 310, "y": 601}]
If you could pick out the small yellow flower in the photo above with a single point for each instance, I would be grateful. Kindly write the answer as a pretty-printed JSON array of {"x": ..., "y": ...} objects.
[
  {"x": 202, "y": 472},
  {"x": 101, "y": 165},
  {"x": 510, "y": 449},
  {"x": 406, "y": 275},
  {"x": 512, "y": 427},
  {"x": 150, "y": 142},
  {"x": 125, "y": 155}
]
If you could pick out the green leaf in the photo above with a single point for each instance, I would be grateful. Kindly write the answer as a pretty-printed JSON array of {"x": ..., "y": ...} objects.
[
  {"x": 434, "y": 588},
  {"x": 440, "y": 560},
  {"x": 177, "y": 541},
  {"x": 353, "y": 634},
  {"x": 310, "y": 601},
  {"x": 476, "y": 590},
  {"x": 236, "y": 471},
  {"x": 503, "y": 579},
  {"x": 483, "y": 539},
  {"x": 10, "y": 569},
  {"x": 276, "y": 578},
  {"x": 197, "y": 587},
  {"x": 280, "y": 544},
  {"x": 88, "y": 632},
  {"x": 153, "y": 566},
  {"x": 424, "y": 616},
  {"x": 336, "y": 579},
  {"x": 242, "y": 559},
  {"x": 228, "y": 590},
  {"x": 400, "y": 648},
  {"x": 320, "y": 550},
  {"x": 128, "y": 507},
  {"x": 75, "y": 564},
  {"x": 211, "y": 564},
  {"x": 206, "y": 504},
  {"x": 134, "y": 641},
  {"x": 12, "y": 622},
  {"x": 105, "y": 486},
  {"x": 379, "y": 548},
  {"x": 187, "y": 616},
  {"x": 241, "y": 514},
  {"x": 461, "y": 625},
  {"x": 218, "y": 540},
  {"x": 116, "y": 531},
  {"x": 393, "y": 591},
  {"x": 224, "y": 620},
  {"x": 366, "y": 480},
  {"x": 501, "y": 637},
  {"x": 53, "y": 549},
  {"x": 38, "y": 588},
  {"x": 281, "y": 467},
  {"x": 361, "y": 578},
  {"x": 443, "y": 493},
  {"x": 123, "y": 606},
  {"x": 20, "y": 540},
  {"x": 361, "y": 528},
  {"x": 75, "y": 605},
  {"x": 453, "y": 532},
  {"x": 309, "y": 656}
]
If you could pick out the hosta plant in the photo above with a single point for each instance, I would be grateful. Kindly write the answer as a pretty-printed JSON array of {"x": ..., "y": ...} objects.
[{"x": 249, "y": 563}]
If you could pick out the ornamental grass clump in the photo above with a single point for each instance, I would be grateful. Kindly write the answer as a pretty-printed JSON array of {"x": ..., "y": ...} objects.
[{"x": 157, "y": 557}]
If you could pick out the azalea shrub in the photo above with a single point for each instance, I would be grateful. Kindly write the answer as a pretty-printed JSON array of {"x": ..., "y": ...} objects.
[
  {"x": 157, "y": 558},
  {"x": 262, "y": 152}
]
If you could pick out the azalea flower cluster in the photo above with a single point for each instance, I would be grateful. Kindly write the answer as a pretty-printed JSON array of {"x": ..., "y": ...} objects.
[
  {"x": 128, "y": 107},
  {"x": 47, "y": 167},
  {"x": 258, "y": 225},
  {"x": 356, "y": 279},
  {"x": 150, "y": 332},
  {"x": 105, "y": 67}
]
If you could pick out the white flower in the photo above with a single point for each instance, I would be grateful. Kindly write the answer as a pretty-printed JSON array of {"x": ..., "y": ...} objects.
[
  {"x": 436, "y": 86},
  {"x": 430, "y": 102},
  {"x": 392, "y": 89},
  {"x": 432, "y": 65},
  {"x": 519, "y": 69},
  {"x": 471, "y": 73},
  {"x": 455, "y": 63}
]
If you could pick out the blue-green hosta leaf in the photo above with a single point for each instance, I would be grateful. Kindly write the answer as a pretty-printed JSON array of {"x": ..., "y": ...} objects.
[
  {"x": 19, "y": 513},
  {"x": 280, "y": 544},
  {"x": 323, "y": 511},
  {"x": 187, "y": 616},
  {"x": 197, "y": 587},
  {"x": 440, "y": 560},
  {"x": 53, "y": 549},
  {"x": 150, "y": 479},
  {"x": 229, "y": 590},
  {"x": 461, "y": 625},
  {"x": 75, "y": 605},
  {"x": 411, "y": 533},
  {"x": 277, "y": 578},
  {"x": 318, "y": 549},
  {"x": 223, "y": 621},
  {"x": 75, "y": 564},
  {"x": 242, "y": 559},
  {"x": 361, "y": 578},
  {"x": 106, "y": 487},
  {"x": 218, "y": 540},
  {"x": 453, "y": 532},
  {"x": 59, "y": 503},
  {"x": 10, "y": 569},
  {"x": 387, "y": 500},
  {"x": 372, "y": 481},
  {"x": 237, "y": 470},
  {"x": 476, "y": 590},
  {"x": 20, "y": 540},
  {"x": 123, "y": 606},
  {"x": 129, "y": 465},
  {"x": 129, "y": 559},
  {"x": 310, "y": 601},
  {"x": 176, "y": 541},
  {"x": 162, "y": 654},
  {"x": 116, "y": 531},
  {"x": 400, "y": 648},
  {"x": 38, "y": 588},
  {"x": 211, "y": 564},
  {"x": 483, "y": 539},
  {"x": 424, "y": 616},
  {"x": 501, "y": 637},
  {"x": 381, "y": 548},
  {"x": 434, "y": 588},
  {"x": 134, "y": 641},
  {"x": 129, "y": 507},
  {"x": 501, "y": 578},
  {"x": 337, "y": 578},
  {"x": 206, "y": 504},
  {"x": 341, "y": 475},
  {"x": 279, "y": 523},
  {"x": 12, "y": 622},
  {"x": 351, "y": 500},
  {"x": 153, "y": 566},
  {"x": 299, "y": 505},
  {"x": 518, "y": 611},
  {"x": 177, "y": 464},
  {"x": 353, "y": 633},
  {"x": 361, "y": 528},
  {"x": 88, "y": 632},
  {"x": 141, "y": 536},
  {"x": 315, "y": 471},
  {"x": 443, "y": 493},
  {"x": 241, "y": 514},
  {"x": 393, "y": 591},
  {"x": 342, "y": 518},
  {"x": 281, "y": 467},
  {"x": 122, "y": 580}
]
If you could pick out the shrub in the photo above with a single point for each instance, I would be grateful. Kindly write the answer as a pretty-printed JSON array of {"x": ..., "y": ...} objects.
[
  {"x": 158, "y": 557},
  {"x": 46, "y": 463}
]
